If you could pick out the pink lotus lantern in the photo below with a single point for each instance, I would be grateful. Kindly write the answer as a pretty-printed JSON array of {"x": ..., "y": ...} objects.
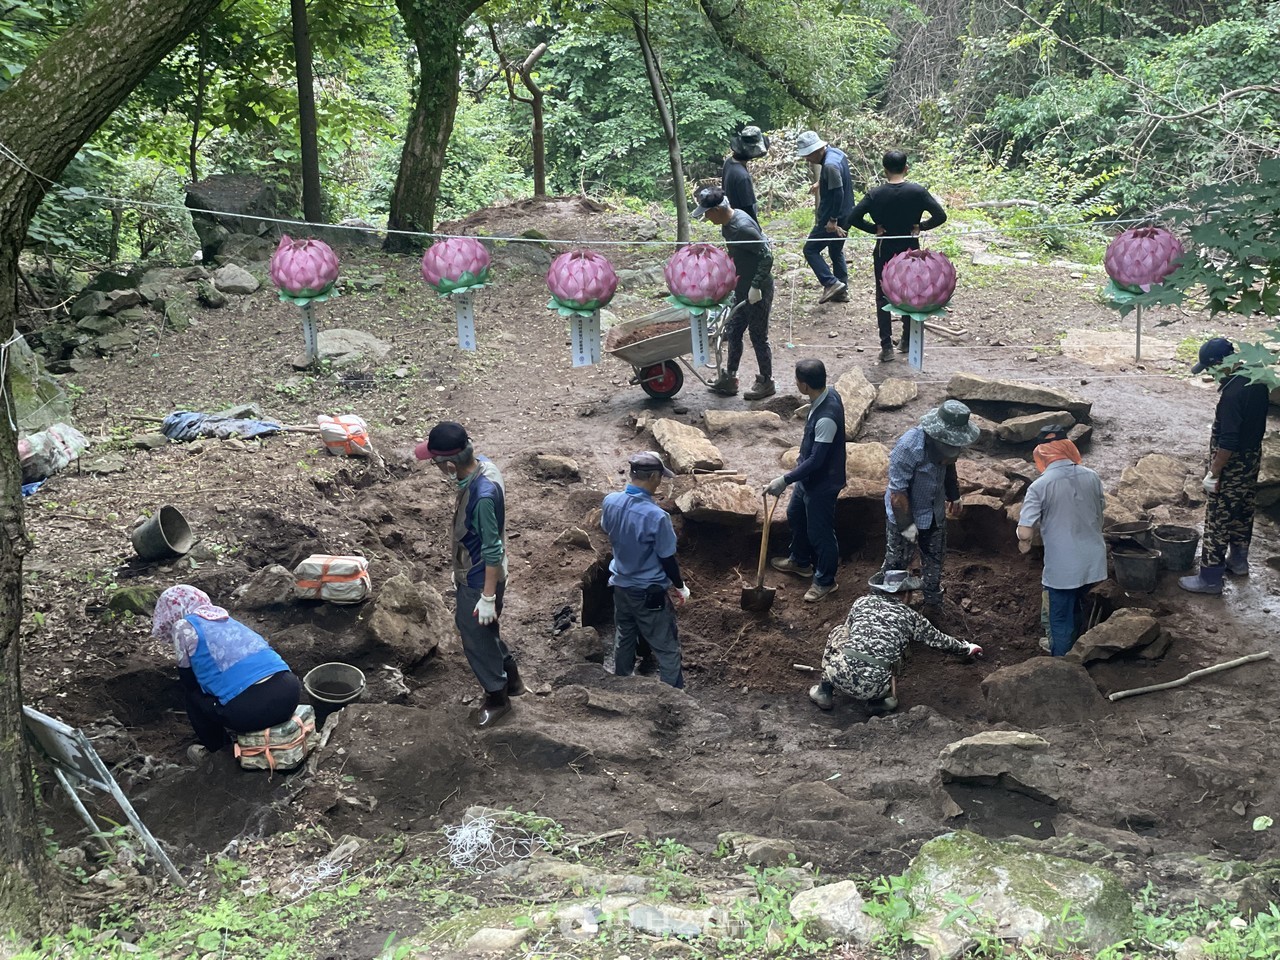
[
  {"x": 305, "y": 269},
  {"x": 1140, "y": 258},
  {"x": 700, "y": 276},
  {"x": 458, "y": 266},
  {"x": 581, "y": 282},
  {"x": 919, "y": 281}
]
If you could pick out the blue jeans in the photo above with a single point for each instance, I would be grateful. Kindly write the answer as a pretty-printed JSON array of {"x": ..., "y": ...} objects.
[
  {"x": 1065, "y": 608},
  {"x": 820, "y": 240},
  {"x": 813, "y": 533}
]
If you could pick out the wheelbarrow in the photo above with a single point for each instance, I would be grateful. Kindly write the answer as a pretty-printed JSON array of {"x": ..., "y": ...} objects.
[{"x": 656, "y": 361}]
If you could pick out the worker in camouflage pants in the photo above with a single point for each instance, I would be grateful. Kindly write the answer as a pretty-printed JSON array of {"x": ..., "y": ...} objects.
[
  {"x": 862, "y": 653},
  {"x": 1228, "y": 517}
]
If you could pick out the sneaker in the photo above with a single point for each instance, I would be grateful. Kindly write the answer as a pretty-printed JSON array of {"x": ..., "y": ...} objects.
[
  {"x": 197, "y": 753},
  {"x": 904, "y": 345},
  {"x": 761, "y": 389},
  {"x": 787, "y": 565},
  {"x": 886, "y": 355},
  {"x": 823, "y": 698},
  {"x": 816, "y": 592},
  {"x": 878, "y": 708},
  {"x": 726, "y": 385},
  {"x": 1045, "y": 645},
  {"x": 832, "y": 291},
  {"x": 842, "y": 296}
]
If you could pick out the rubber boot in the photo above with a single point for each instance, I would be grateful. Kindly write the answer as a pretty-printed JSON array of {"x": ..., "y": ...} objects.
[
  {"x": 515, "y": 686},
  {"x": 496, "y": 706},
  {"x": 823, "y": 694},
  {"x": 1238, "y": 560},
  {"x": 1208, "y": 580}
]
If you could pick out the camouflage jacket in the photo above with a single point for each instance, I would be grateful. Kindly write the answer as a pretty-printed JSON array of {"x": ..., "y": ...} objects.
[{"x": 877, "y": 629}]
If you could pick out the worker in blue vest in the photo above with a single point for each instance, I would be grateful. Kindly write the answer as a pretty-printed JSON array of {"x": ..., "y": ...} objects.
[{"x": 231, "y": 678}]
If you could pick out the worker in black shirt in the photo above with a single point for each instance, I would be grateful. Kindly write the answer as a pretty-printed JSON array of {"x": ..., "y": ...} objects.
[
  {"x": 1235, "y": 454},
  {"x": 896, "y": 208},
  {"x": 748, "y": 144}
]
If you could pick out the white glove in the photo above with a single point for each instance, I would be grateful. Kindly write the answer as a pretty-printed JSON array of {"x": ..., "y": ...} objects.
[
  {"x": 486, "y": 610},
  {"x": 974, "y": 650},
  {"x": 754, "y": 295},
  {"x": 683, "y": 593},
  {"x": 1024, "y": 546},
  {"x": 776, "y": 486},
  {"x": 1211, "y": 484},
  {"x": 910, "y": 534}
]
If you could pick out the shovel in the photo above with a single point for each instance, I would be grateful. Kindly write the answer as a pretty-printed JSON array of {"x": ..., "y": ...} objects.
[{"x": 759, "y": 599}]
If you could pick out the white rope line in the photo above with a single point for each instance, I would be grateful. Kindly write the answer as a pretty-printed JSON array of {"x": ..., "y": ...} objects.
[{"x": 482, "y": 844}]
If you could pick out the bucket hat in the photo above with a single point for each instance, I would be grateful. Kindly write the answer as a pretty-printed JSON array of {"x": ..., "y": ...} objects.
[
  {"x": 749, "y": 142},
  {"x": 894, "y": 581},
  {"x": 807, "y": 143},
  {"x": 950, "y": 424},
  {"x": 1212, "y": 353}
]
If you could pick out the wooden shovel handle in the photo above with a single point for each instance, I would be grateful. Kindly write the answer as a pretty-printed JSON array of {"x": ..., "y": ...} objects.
[{"x": 764, "y": 536}]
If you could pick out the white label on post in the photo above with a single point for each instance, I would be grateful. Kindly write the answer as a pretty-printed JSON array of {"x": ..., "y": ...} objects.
[
  {"x": 310, "y": 335},
  {"x": 701, "y": 342},
  {"x": 915, "y": 353},
  {"x": 584, "y": 334},
  {"x": 466, "y": 322}
]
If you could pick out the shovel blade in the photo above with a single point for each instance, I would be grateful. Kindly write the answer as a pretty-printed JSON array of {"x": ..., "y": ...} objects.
[{"x": 758, "y": 599}]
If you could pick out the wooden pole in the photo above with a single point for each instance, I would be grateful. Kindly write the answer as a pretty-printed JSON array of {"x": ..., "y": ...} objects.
[{"x": 1193, "y": 675}]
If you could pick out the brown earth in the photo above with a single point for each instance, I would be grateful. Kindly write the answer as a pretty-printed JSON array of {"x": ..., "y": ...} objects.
[{"x": 742, "y": 748}]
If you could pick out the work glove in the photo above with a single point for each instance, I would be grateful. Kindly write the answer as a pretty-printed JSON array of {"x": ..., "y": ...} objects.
[
  {"x": 974, "y": 651},
  {"x": 910, "y": 533},
  {"x": 1024, "y": 546},
  {"x": 776, "y": 486},
  {"x": 683, "y": 593},
  {"x": 486, "y": 610},
  {"x": 1212, "y": 484},
  {"x": 754, "y": 295},
  {"x": 1024, "y": 539}
]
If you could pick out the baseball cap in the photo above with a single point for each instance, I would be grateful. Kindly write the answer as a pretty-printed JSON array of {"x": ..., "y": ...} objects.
[
  {"x": 1212, "y": 353},
  {"x": 705, "y": 199},
  {"x": 648, "y": 462},
  {"x": 446, "y": 439},
  {"x": 1055, "y": 432}
]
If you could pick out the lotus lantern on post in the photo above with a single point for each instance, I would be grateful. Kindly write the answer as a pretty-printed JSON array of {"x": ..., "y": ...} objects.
[
  {"x": 582, "y": 282},
  {"x": 457, "y": 267},
  {"x": 305, "y": 270},
  {"x": 701, "y": 277},
  {"x": 1137, "y": 260},
  {"x": 919, "y": 282}
]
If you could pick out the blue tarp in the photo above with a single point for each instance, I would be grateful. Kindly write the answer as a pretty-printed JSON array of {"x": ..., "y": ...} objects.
[
  {"x": 29, "y": 488},
  {"x": 182, "y": 426}
]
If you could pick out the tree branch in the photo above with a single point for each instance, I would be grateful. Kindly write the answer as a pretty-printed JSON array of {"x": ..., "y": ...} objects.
[{"x": 720, "y": 26}]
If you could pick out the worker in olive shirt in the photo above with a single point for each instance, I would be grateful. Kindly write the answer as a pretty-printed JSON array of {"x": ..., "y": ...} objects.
[
  {"x": 753, "y": 296},
  {"x": 479, "y": 563},
  {"x": 643, "y": 568},
  {"x": 748, "y": 144},
  {"x": 896, "y": 210},
  {"x": 1235, "y": 456}
]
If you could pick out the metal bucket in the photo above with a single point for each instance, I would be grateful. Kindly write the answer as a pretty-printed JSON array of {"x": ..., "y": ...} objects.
[
  {"x": 1177, "y": 546},
  {"x": 1139, "y": 530},
  {"x": 165, "y": 535},
  {"x": 1137, "y": 569},
  {"x": 332, "y": 686}
]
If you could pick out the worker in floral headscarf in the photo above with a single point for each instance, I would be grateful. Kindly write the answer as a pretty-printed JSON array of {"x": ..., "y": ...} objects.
[
  {"x": 1066, "y": 502},
  {"x": 231, "y": 677}
]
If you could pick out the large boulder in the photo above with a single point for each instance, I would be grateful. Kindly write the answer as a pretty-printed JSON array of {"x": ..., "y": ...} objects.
[
  {"x": 232, "y": 194},
  {"x": 867, "y": 461},
  {"x": 1022, "y": 429},
  {"x": 409, "y": 619},
  {"x": 895, "y": 393},
  {"x": 970, "y": 386},
  {"x": 1152, "y": 481},
  {"x": 857, "y": 394},
  {"x": 1041, "y": 692},
  {"x": 344, "y": 347},
  {"x": 269, "y": 587},
  {"x": 1012, "y": 893},
  {"x": 687, "y": 448},
  {"x": 722, "y": 502},
  {"x": 1003, "y": 758},
  {"x": 836, "y": 909},
  {"x": 39, "y": 400},
  {"x": 745, "y": 423},
  {"x": 978, "y": 477},
  {"x": 1132, "y": 630},
  {"x": 236, "y": 280}
]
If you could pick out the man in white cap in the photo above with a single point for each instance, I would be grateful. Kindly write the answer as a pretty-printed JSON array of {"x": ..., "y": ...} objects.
[
  {"x": 863, "y": 653},
  {"x": 923, "y": 491},
  {"x": 834, "y": 214},
  {"x": 643, "y": 569},
  {"x": 746, "y": 145}
]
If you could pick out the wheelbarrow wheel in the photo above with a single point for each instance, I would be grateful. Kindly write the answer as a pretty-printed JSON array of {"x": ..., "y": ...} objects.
[{"x": 662, "y": 381}]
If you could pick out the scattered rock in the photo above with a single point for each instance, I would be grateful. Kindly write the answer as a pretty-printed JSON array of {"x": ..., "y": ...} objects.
[
  {"x": 210, "y": 296},
  {"x": 1129, "y": 630},
  {"x": 1022, "y": 429},
  {"x": 150, "y": 441},
  {"x": 666, "y": 920},
  {"x": 976, "y": 477},
  {"x": 722, "y": 502},
  {"x": 1003, "y": 758},
  {"x": 970, "y": 386},
  {"x": 343, "y": 347},
  {"x": 140, "y": 600},
  {"x": 896, "y": 393},
  {"x": 39, "y": 400},
  {"x": 495, "y": 940},
  {"x": 269, "y": 587},
  {"x": 790, "y": 458},
  {"x": 760, "y": 851},
  {"x": 746, "y": 423},
  {"x": 410, "y": 619},
  {"x": 1152, "y": 481},
  {"x": 104, "y": 463},
  {"x": 366, "y": 284},
  {"x": 552, "y": 467},
  {"x": 986, "y": 428},
  {"x": 687, "y": 448},
  {"x": 1080, "y": 434},
  {"x": 88, "y": 303},
  {"x": 99, "y": 325},
  {"x": 857, "y": 394},
  {"x": 1113, "y": 511},
  {"x": 867, "y": 461},
  {"x": 574, "y": 537},
  {"x": 118, "y": 300},
  {"x": 1041, "y": 692},
  {"x": 836, "y": 910}
]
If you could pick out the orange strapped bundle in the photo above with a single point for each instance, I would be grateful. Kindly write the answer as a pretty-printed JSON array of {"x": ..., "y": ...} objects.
[
  {"x": 345, "y": 436},
  {"x": 334, "y": 578},
  {"x": 291, "y": 751}
]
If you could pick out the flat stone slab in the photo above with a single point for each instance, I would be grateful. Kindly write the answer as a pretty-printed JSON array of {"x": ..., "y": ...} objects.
[
  {"x": 1128, "y": 630},
  {"x": 687, "y": 448},
  {"x": 1022, "y": 429},
  {"x": 1005, "y": 758},
  {"x": 743, "y": 422},
  {"x": 970, "y": 386},
  {"x": 857, "y": 393},
  {"x": 896, "y": 393},
  {"x": 722, "y": 502}
]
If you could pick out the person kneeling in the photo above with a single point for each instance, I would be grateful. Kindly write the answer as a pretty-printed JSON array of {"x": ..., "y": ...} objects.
[
  {"x": 231, "y": 678},
  {"x": 863, "y": 652}
]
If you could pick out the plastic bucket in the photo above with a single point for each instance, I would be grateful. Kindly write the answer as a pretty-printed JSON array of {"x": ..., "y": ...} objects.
[
  {"x": 332, "y": 686},
  {"x": 1177, "y": 546},
  {"x": 165, "y": 535},
  {"x": 1139, "y": 530},
  {"x": 1137, "y": 570}
]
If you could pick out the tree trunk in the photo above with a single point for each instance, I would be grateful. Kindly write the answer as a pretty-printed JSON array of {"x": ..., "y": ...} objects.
[
  {"x": 539, "y": 129},
  {"x": 436, "y": 27},
  {"x": 52, "y": 109},
  {"x": 308, "y": 128},
  {"x": 665, "y": 116}
]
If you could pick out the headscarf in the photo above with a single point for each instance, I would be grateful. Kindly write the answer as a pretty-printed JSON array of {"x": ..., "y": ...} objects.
[
  {"x": 183, "y": 601},
  {"x": 1054, "y": 451}
]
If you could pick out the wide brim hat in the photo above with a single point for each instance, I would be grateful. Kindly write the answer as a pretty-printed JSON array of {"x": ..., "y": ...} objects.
[
  {"x": 950, "y": 424},
  {"x": 749, "y": 142},
  {"x": 895, "y": 581},
  {"x": 807, "y": 143}
]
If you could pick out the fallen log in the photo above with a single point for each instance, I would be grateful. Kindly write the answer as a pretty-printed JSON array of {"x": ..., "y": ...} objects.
[{"x": 1193, "y": 675}]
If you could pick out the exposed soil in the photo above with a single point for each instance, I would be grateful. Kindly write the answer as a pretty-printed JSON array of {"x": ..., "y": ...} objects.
[{"x": 742, "y": 748}]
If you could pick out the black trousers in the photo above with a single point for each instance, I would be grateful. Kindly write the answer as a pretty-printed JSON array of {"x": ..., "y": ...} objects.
[
  {"x": 263, "y": 705},
  {"x": 885, "y": 251}
]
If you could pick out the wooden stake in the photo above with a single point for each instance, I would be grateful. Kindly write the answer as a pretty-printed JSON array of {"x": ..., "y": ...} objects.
[{"x": 1193, "y": 675}]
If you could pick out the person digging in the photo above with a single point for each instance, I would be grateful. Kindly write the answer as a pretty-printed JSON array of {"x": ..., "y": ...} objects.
[
  {"x": 863, "y": 653},
  {"x": 479, "y": 563},
  {"x": 753, "y": 296}
]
